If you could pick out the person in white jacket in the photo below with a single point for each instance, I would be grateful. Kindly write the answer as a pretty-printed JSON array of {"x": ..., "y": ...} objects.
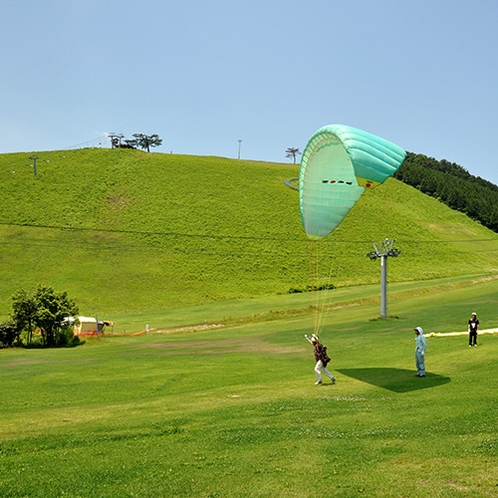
[{"x": 420, "y": 347}]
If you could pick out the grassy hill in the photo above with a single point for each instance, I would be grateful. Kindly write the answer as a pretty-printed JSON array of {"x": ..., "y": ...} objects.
[{"x": 124, "y": 231}]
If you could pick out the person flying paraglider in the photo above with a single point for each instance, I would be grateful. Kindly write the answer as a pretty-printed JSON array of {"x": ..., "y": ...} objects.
[
  {"x": 322, "y": 359},
  {"x": 338, "y": 165}
]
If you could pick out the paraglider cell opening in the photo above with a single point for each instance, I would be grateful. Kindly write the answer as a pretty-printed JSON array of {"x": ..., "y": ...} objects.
[{"x": 337, "y": 181}]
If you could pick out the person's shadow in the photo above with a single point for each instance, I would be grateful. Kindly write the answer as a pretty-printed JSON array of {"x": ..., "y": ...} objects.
[{"x": 395, "y": 379}]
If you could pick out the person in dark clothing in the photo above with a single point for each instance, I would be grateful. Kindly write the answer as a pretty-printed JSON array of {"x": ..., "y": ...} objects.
[
  {"x": 473, "y": 325},
  {"x": 321, "y": 358}
]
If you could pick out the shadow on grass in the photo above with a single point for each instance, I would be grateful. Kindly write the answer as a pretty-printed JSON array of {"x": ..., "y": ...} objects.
[{"x": 395, "y": 379}]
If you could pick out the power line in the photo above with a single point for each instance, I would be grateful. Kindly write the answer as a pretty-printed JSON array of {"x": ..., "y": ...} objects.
[
  {"x": 145, "y": 232},
  {"x": 233, "y": 237},
  {"x": 83, "y": 144}
]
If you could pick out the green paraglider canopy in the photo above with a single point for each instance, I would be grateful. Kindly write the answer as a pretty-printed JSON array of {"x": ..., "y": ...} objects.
[{"x": 338, "y": 164}]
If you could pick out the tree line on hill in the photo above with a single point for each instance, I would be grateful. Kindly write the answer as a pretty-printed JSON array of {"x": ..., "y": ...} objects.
[{"x": 453, "y": 185}]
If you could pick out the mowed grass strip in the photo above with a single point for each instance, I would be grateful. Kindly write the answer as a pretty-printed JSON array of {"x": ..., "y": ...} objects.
[{"x": 235, "y": 412}]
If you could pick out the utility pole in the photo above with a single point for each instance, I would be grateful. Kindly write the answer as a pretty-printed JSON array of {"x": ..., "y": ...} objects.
[
  {"x": 386, "y": 249},
  {"x": 34, "y": 158},
  {"x": 115, "y": 139}
]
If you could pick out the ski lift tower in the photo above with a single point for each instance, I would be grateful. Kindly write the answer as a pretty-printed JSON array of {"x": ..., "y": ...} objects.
[{"x": 385, "y": 250}]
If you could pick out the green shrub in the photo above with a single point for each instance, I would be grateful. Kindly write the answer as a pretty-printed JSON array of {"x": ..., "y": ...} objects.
[{"x": 9, "y": 334}]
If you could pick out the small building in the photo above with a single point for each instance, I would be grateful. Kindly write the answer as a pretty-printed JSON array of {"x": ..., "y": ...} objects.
[{"x": 89, "y": 325}]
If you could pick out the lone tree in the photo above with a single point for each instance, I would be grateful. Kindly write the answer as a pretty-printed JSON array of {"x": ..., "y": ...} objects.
[
  {"x": 292, "y": 152},
  {"x": 45, "y": 310},
  {"x": 147, "y": 141}
]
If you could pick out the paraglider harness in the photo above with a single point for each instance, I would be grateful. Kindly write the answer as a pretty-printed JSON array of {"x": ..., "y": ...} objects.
[
  {"x": 320, "y": 350},
  {"x": 321, "y": 354}
]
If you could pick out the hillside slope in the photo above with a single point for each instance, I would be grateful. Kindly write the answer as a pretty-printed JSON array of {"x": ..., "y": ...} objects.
[{"x": 124, "y": 231}]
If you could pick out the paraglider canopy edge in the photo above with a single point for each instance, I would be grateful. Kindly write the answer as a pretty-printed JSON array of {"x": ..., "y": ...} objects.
[{"x": 338, "y": 163}]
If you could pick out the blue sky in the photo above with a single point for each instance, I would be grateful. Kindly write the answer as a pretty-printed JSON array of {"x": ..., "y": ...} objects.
[{"x": 205, "y": 73}]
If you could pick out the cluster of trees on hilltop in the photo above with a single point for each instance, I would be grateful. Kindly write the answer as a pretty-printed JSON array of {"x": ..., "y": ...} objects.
[
  {"x": 453, "y": 185},
  {"x": 140, "y": 140}
]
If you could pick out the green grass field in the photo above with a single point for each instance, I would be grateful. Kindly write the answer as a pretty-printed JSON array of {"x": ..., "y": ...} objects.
[
  {"x": 218, "y": 398},
  {"x": 234, "y": 412}
]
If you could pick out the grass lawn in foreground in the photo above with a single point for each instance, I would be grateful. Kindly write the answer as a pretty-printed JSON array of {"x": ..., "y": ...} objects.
[{"x": 234, "y": 412}]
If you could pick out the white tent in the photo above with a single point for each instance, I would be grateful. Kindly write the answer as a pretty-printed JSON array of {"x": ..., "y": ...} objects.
[{"x": 89, "y": 325}]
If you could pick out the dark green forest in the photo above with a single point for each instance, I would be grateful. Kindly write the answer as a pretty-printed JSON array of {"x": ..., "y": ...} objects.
[{"x": 454, "y": 186}]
